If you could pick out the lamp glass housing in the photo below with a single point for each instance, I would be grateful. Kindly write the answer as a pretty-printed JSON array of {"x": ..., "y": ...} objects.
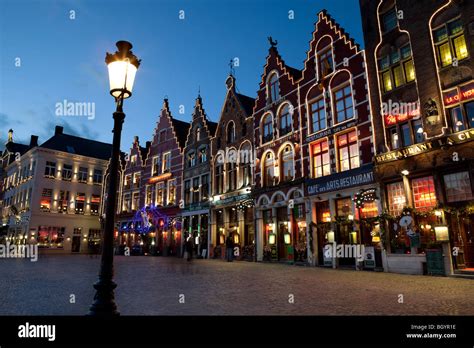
[{"x": 121, "y": 77}]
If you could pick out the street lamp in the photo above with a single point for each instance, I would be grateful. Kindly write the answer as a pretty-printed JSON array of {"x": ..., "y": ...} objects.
[{"x": 122, "y": 66}]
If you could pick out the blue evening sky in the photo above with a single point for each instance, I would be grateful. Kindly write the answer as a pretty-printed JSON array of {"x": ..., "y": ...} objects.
[{"x": 63, "y": 59}]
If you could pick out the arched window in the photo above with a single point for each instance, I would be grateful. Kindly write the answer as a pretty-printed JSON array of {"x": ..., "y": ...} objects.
[
  {"x": 285, "y": 120},
  {"x": 219, "y": 174},
  {"x": 245, "y": 161},
  {"x": 267, "y": 128},
  {"x": 287, "y": 164},
  {"x": 273, "y": 88},
  {"x": 230, "y": 132},
  {"x": 202, "y": 154},
  {"x": 191, "y": 159},
  {"x": 269, "y": 170},
  {"x": 231, "y": 176},
  {"x": 198, "y": 133}
]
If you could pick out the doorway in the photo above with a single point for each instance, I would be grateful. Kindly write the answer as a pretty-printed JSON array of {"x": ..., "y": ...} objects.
[{"x": 76, "y": 244}]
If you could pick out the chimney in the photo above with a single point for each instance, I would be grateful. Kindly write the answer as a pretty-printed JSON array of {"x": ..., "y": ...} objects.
[
  {"x": 148, "y": 144},
  {"x": 58, "y": 130},
  {"x": 33, "y": 141}
]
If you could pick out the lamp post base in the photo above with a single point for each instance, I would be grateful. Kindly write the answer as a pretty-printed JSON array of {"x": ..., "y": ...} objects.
[{"x": 104, "y": 299}]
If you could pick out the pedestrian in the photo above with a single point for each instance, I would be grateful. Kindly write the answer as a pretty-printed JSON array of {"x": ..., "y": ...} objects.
[
  {"x": 190, "y": 247},
  {"x": 229, "y": 243}
]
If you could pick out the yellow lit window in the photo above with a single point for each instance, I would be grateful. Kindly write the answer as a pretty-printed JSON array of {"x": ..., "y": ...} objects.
[
  {"x": 460, "y": 47},
  {"x": 398, "y": 76},
  {"x": 445, "y": 54},
  {"x": 387, "y": 81},
  {"x": 409, "y": 71}
]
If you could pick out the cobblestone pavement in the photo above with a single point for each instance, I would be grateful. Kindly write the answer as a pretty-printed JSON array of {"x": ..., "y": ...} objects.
[{"x": 152, "y": 286}]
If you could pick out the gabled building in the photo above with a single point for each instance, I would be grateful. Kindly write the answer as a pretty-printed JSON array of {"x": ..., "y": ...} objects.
[
  {"x": 421, "y": 76},
  {"x": 232, "y": 176},
  {"x": 196, "y": 186},
  {"x": 279, "y": 177},
  {"x": 337, "y": 142},
  {"x": 53, "y": 194}
]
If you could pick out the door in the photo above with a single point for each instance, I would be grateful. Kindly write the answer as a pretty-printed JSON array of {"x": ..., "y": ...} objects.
[
  {"x": 468, "y": 238},
  {"x": 76, "y": 244}
]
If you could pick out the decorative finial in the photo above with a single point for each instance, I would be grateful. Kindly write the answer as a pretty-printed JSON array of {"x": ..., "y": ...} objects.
[
  {"x": 272, "y": 43},
  {"x": 231, "y": 67}
]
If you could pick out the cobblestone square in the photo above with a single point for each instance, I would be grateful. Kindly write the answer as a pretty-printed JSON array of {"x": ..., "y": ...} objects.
[{"x": 155, "y": 285}]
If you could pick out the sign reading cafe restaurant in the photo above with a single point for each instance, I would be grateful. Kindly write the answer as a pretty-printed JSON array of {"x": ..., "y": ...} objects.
[{"x": 350, "y": 178}]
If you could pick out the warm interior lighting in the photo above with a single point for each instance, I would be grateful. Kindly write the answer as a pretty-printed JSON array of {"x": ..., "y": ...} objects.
[{"x": 405, "y": 172}]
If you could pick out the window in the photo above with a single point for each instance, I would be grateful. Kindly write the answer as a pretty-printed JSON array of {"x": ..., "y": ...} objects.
[
  {"x": 245, "y": 168},
  {"x": 203, "y": 155},
  {"x": 80, "y": 200},
  {"x": 50, "y": 236},
  {"x": 389, "y": 20},
  {"x": 326, "y": 64},
  {"x": 219, "y": 175},
  {"x": 230, "y": 132},
  {"x": 205, "y": 187},
  {"x": 397, "y": 68},
  {"x": 82, "y": 175},
  {"x": 135, "y": 201},
  {"x": 160, "y": 194},
  {"x": 162, "y": 136},
  {"x": 127, "y": 184},
  {"x": 343, "y": 104},
  {"x": 45, "y": 204},
  {"x": 97, "y": 179},
  {"x": 187, "y": 192},
  {"x": 287, "y": 164},
  {"x": 348, "y": 151},
  {"x": 406, "y": 134},
  {"x": 198, "y": 133},
  {"x": 269, "y": 170},
  {"x": 273, "y": 88},
  {"x": 191, "y": 159},
  {"x": 418, "y": 131},
  {"x": 127, "y": 202},
  {"x": 133, "y": 160},
  {"x": 321, "y": 163},
  {"x": 394, "y": 139},
  {"x": 343, "y": 207},
  {"x": 318, "y": 115},
  {"x": 50, "y": 170},
  {"x": 458, "y": 187},
  {"x": 148, "y": 195},
  {"x": 457, "y": 119},
  {"x": 95, "y": 204},
  {"x": 136, "y": 179},
  {"x": 67, "y": 172},
  {"x": 267, "y": 131},
  {"x": 285, "y": 120},
  {"x": 166, "y": 162},
  {"x": 396, "y": 198},
  {"x": 231, "y": 176},
  {"x": 156, "y": 166},
  {"x": 196, "y": 190},
  {"x": 172, "y": 192},
  {"x": 450, "y": 43},
  {"x": 63, "y": 201},
  {"x": 424, "y": 196},
  {"x": 462, "y": 116}
]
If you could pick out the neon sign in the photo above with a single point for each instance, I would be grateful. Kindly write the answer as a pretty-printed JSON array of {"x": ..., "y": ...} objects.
[
  {"x": 459, "y": 94},
  {"x": 159, "y": 178}
]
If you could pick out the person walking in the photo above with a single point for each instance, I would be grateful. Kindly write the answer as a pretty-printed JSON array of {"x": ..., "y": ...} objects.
[
  {"x": 229, "y": 244},
  {"x": 190, "y": 247}
]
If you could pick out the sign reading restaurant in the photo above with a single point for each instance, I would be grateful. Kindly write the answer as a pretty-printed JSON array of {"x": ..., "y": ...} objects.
[
  {"x": 350, "y": 178},
  {"x": 456, "y": 138},
  {"x": 330, "y": 131}
]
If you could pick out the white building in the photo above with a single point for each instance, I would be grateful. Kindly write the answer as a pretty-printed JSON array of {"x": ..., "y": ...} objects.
[{"x": 52, "y": 194}]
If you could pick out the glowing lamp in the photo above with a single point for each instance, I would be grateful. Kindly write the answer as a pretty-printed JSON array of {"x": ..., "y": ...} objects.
[
  {"x": 405, "y": 172},
  {"x": 122, "y": 66},
  {"x": 330, "y": 236},
  {"x": 272, "y": 238},
  {"x": 442, "y": 233},
  {"x": 287, "y": 238}
]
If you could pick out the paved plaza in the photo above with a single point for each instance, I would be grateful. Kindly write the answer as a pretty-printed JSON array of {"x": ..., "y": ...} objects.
[{"x": 156, "y": 285}]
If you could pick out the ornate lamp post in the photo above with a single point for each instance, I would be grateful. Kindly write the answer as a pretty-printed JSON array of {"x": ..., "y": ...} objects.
[{"x": 122, "y": 66}]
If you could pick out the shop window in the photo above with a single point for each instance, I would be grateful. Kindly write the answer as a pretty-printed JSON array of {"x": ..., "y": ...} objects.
[
  {"x": 348, "y": 151},
  {"x": 389, "y": 20},
  {"x": 424, "y": 196},
  {"x": 273, "y": 88},
  {"x": 326, "y": 63},
  {"x": 287, "y": 164},
  {"x": 396, "y": 198},
  {"x": 343, "y": 104},
  {"x": 82, "y": 175},
  {"x": 46, "y": 196},
  {"x": 321, "y": 162},
  {"x": 97, "y": 177},
  {"x": 95, "y": 204},
  {"x": 80, "y": 200},
  {"x": 450, "y": 43},
  {"x": 344, "y": 207},
  {"x": 269, "y": 170},
  {"x": 285, "y": 120},
  {"x": 369, "y": 210},
  {"x": 458, "y": 187},
  {"x": 318, "y": 115},
  {"x": 397, "y": 68},
  {"x": 50, "y": 236},
  {"x": 267, "y": 128}
]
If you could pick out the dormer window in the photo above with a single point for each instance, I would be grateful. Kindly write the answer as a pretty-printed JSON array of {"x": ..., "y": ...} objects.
[{"x": 273, "y": 88}]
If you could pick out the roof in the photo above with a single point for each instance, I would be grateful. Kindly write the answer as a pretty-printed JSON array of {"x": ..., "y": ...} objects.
[
  {"x": 16, "y": 147},
  {"x": 79, "y": 146},
  {"x": 181, "y": 130},
  {"x": 212, "y": 126},
  {"x": 295, "y": 73},
  {"x": 247, "y": 103}
]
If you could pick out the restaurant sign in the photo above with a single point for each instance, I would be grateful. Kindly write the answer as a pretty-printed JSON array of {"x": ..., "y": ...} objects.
[
  {"x": 459, "y": 94},
  {"x": 330, "y": 131},
  {"x": 340, "y": 181},
  {"x": 229, "y": 200},
  {"x": 452, "y": 139}
]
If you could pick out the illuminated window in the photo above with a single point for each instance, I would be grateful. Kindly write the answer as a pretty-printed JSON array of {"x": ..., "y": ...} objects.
[
  {"x": 318, "y": 115},
  {"x": 285, "y": 120},
  {"x": 424, "y": 196},
  {"x": 267, "y": 128},
  {"x": 397, "y": 68},
  {"x": 160, "y": 195},
  {"x": 127, "y": 183},
  {"x": 135, "y": 201},
  {"x": 343, "y": 104},
  {"x": 348, "y": 151},
  {"x": 136, "y": 179},
  {"x": 127, "y": 202},
  {"x": 172, "y": 192},
  {"x": 191, "y": 159},
  {"x": 458, "y": 187},
  {"x": 409, "y": 71},
  {"x": 389, "y": 20},
  {"x": 202, "y": 155},
  {"x": 245, "y": 165},
  {"x": 287, "y": 164},
  {"x": 80, "y": 201},
  {"x": 326, "y": 64},
  {"x": 46, "y": 200},
  {"x": 166, "y": 163},
  {"x": 95, "y": 204},
  {"x": 321, "y": 163},
  {"x": 50, "y": 236},
  {"x": 343, "y": 207},
  {"x": 387, "y": 81},
  {"x": 148, "y": 195},
  {"x": 273, "y": 88},
  {"x": 450, "y": 43},
  {"x": 156, "y": 165},
  {"x": 269, "y": 170},
  {"x": 396, "y": 198},
  {"x": 457, "y": 119},
  {"x": 418, "y": 131}
]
